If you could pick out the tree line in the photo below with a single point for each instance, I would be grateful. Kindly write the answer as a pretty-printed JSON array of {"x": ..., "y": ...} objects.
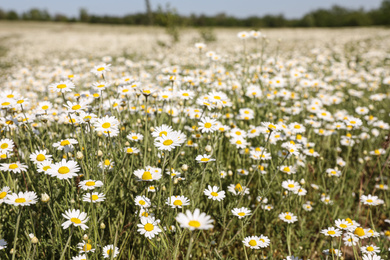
[{"x": 336, "y": 16}]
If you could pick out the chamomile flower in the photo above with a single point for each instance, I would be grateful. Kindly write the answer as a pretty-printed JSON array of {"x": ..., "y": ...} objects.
[
  {"x": 142, "y": 201},
  {"x": 372, "y": 257},
  {"x": 6, "y": 145},
  {"x": 64, "y": 169},
  {"x": 194, "y": 220},
  {"x": 44, "y": 166},
  {"x": 342, "y": 224},
  {"x": 238, "y": 189},
  {"x": 369, "y": 200},
  {"x": 106, "y": 124},
  {"x": 149, "y": 227},
  {"x": 331, "y": 231},
  {"x": 135, "y": 137},
  {"x": 3, "y": 193},
  {"x": 131, "y": 150},
  {"x": 177, "y": 201},
  {"x": 288, "y": 217},
  {"x": 241, "y": 212},
  {"x": 109, "y": 251},
  {"x": 15, "y": 167},
  {"x": 85, "y": 247},
  {"x": 207, "y": 125},
  {"x": 204, "y": 158},
  {"x": 256, "y": 242},
  {"x": 289, "y": 169},
  {"x": 162, "y": 130},
  {"x": 332, "y": 252},
  {"x": 148, "y": 174},
  {"x": 290, "y": 185},
  {"x": 62, "y": 86},
  {"x": 94, "y": 197},
  {"x": 213, "y": 193},
  {"x": 101, "y": 69},
  {"x": 90, "y": 184},
  {"x": 66, "y": 144},
  {"x": 76, "y": 218},
  {"x": 350, "y": 239},
  {"x": 169, "y": 141},
  {"x": 79, "y": 257},
  {"x": 370, "y": 249},
  {"x": 21, "y": 199},
  {"x": 39, "y": 156}
]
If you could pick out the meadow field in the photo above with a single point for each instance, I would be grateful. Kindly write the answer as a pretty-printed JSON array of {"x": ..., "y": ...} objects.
[{"x": 118, "y": 142}]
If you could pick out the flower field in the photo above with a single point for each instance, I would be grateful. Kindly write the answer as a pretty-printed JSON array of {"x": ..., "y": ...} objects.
[{"x": 266, "y": 144}]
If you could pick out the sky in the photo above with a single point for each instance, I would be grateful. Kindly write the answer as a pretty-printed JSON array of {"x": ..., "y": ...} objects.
[{"x": 238, "y": 8}]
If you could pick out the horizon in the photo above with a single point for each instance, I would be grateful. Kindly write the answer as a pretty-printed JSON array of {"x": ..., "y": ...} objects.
[{"x": 242, "y": 9}]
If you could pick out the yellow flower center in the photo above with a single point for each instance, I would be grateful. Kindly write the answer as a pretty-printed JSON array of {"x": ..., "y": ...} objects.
[
  {"x": 291, "y": 185},
  {"x": 359, "y": 232},
  {"x": 168, "y": 142},
  {"x": 63, "y": 170},
  {"x": 331, "y": 232},
  {"x": 135, "y": 137},
  {"x": 286, "y": 169},
  {"x": 370, "y": 249},
  {"x": 61, "y": 86},
  {"x": 163, "y": 133},
  {"x": 41, "y": 157},
  {"x": 65, "y": 142},
  {"x": 147, "y": 176},
  {"x": 177, "y": 203},
  {"x": 343, "y": 226},
  {"x": 377, "y": 152},
  {"x": 129, "y": 150},
  {"x": 87, "y": 247},
  {"x": 20, "y": 200},
  {"x": 288, "y": 217},
  {"x": 106, "y": 162},
  {"x": 2, "y": 195},
  {"x": 4, "y": 146},
  {"x": 204, "y": 159},
  {"x": 149, "y": 227},
  {"x": 75, "y": 220},
  {"x": 253, "y": 242},
  {"x": 45, "y": 168},
  {"x": 13, "y": 166},
  {"x": 369, "y": 201},
  {"x": 106, "y": 125},
  {"x": 238, "y": 187},
  {"x": 194, "y": 223},
  {"x": 94, "y": 197},
  {"x": 100, "y": 69},
  {"x": 90, "y": 183},
  {"x": 297, "y": 126},
  {"x": 241, "y": 214},
  {"x": 212, "y": 194},
  {"x": 207, "y": 125},
  {"x": 142, "y": 202},
  {"x": 5, "y": 103},
  {"x": 76, "y": 107}
]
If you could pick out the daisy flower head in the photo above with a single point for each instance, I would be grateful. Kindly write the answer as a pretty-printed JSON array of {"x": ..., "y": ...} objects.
[
  {"x": 149, "y": 227},
  {"x": 292, "y": 258},
  {"x": 135, "y": 137},
  {"x": 85, "y": 247},
  {"x": 90, "y": 184},
  {"x": 207, "y": 125},
  {"x": 369, "y": 200},
  {"x": 194, "y": 220},
  {"x": 378, "y": 152},
  {"x": 21, "y": 199},
  {"x": 3, "y": 193},
  {"x": 169, "y": 141},
  {"x": 66, "y": 145},
  {"x": 238, "y": 189},
  {"x": 241, "y": 212},
  {"x": 131, "y": 150},
  {"x": 44, "y": 166},
  {"x": 106, "y": 124},
  {"x": 289, "y": 169},
  {"x": 75, "y": 217},
  {"x": 213, "y": 193},
  {"x": 204, "y": 158},
  {"x": 353, "y": 122},
  {"x": 256, "y": 242},
  {"x": 100, "y": 86},
  {"x": 350, "y": 239},
  {"x": 177, "y": 201},
  {"x": 370, "y": 249},
  {"x": 142, "y": 201},
  {"x": 270, "y": 126},
  {"x": 39, "y": 156},
  {"x": 288, "y": 217},
  {"x": 64, "y": 169},
  {"x": 148, "y": 174},
  {"x": 101, "y": 69},
  {"x": 15, "y": 167},
  {"x": 109, "y": 251},
  {"x": 290, "y": 185},
  {"x": 62, "y": 86},
  {"x": 332, "y": 232},
  {"x": 162, "y": 130},
  {"x": 243, "y": 35},
  {"x": 6, "y": 145},
  {"x": 291, "y": 148},
  {"x": 94, "y": 197},
  {"x": 342, "y": 224}
]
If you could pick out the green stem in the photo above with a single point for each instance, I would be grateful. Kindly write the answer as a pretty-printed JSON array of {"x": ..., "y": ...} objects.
[
  {"x": 67, "y": 243},
  {"x": 16, "y": 234}
]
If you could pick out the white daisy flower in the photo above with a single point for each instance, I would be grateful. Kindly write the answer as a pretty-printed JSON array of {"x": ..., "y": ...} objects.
[
  {"x": 195, "y": 220},
  {"x": 76, "y": 218}
]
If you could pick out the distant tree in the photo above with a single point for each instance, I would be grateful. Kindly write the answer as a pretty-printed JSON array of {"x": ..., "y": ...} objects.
[
  {"x": 83, "y": 16},
  {"x": 12, "y": 15}
]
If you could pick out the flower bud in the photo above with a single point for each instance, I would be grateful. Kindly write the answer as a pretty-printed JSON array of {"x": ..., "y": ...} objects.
[
  {"x": 102, "y": 226},
  {"x": 45, "y": 198},
  {"x": 208, "y": 148},
  {"x": 79, "y": 155},
  {"x": 34, "y": 240},
  {"x": 230, "y": 173},
  {"x": 85, "y": 237},
  {"x": 100, "y": 153},
  {"x": 99, "y": 133},
  {"x": 184, "y": 167}
]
